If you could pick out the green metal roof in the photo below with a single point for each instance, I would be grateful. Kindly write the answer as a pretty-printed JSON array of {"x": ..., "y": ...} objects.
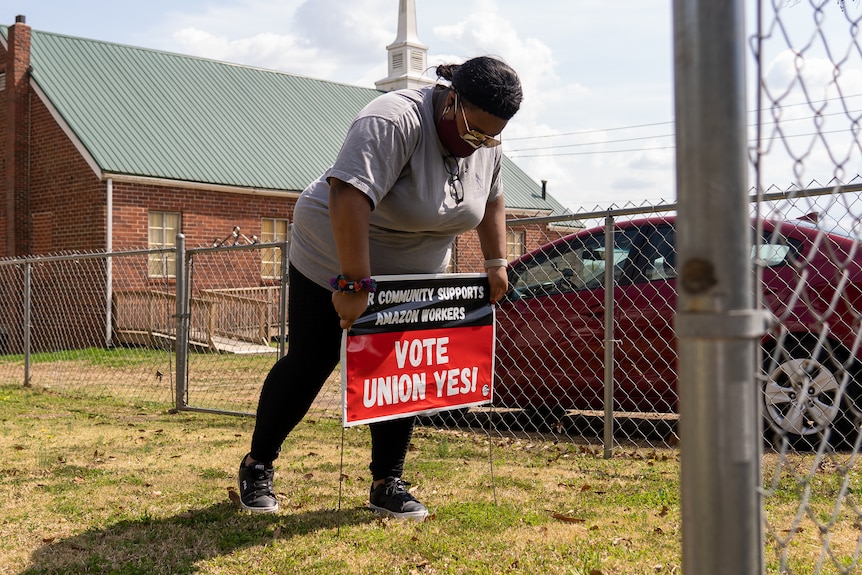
[{"x": 142, "y": 112}]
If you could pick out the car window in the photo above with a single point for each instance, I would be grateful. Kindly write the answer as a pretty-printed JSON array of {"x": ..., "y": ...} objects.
[
  {"x": 652, "y": 256},
  {"x": 576, "y": 264},
  {"x": 775, "y": 249}
]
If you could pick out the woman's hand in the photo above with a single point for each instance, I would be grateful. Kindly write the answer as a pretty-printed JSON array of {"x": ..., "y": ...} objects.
[
  {"x": 349, "y": 306},
  {"x": 498, "y": 280}
]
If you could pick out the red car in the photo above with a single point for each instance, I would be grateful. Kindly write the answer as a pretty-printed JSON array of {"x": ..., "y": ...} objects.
[{"x": 551, "y": 327}]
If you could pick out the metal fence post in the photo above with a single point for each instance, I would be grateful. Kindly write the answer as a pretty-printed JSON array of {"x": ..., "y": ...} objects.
[
  {"x": 182, "y": 323},
  {"x": 610, "y": 343},
  {"x": 28, "y": 304},
  {"x": 717, "y": 328},
  {"x": 282, "y": 303}
]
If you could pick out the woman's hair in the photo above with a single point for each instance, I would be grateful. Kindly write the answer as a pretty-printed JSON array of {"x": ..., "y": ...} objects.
[{"x": 487, "y": 83}]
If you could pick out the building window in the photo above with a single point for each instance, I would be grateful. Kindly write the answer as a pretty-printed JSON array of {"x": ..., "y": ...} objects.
[
  {"x": 163, "y": 229},
  {"x": 515, "y": 241},
  {"x": 272, "y": 230}
]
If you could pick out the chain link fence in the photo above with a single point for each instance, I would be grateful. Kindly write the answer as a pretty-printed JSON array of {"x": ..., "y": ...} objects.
[
  {"x": 585, "y": 346},
  {"x": 58, "y": 320},
  {"x": 807, "y": 87}
]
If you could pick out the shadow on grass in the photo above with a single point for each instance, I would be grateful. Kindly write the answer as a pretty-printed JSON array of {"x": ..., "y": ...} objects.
[{"x": 174, "y": 545}]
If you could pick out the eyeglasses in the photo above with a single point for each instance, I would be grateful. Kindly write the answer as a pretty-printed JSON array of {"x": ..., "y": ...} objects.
[
  {"x": 456, "y": 188},
  {"x": 474, "y": 137}
]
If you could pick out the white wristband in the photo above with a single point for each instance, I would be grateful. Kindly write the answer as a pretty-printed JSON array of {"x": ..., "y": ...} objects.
[{"x": 496, "y": 263}]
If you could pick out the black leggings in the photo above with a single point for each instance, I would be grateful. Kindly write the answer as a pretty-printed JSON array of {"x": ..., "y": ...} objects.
[{"x": 294, "y": 381}]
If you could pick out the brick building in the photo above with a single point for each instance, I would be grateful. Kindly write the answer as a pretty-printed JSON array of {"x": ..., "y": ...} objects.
[{"x": 109, "y": 147}]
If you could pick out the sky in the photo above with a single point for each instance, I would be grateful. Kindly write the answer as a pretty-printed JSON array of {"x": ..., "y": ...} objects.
[{"x": 597, "y": 121}]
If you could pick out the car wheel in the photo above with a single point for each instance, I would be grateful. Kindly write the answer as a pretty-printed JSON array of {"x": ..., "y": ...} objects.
[{"x": 806, "y": 399}]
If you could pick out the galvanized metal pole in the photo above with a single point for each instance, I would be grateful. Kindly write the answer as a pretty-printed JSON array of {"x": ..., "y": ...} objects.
[
  {"x": 610, "y": 342},
  {"x": 28, "y": 306},
  {"x": 717, "y": 327},
  {"x": 282, "y": 303},
  {"x": 182, "y": 323},
  {"x": 109, "y": 264}
]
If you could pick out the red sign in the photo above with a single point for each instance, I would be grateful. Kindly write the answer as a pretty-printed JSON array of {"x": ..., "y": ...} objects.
[{"x": 425, "y": 344}]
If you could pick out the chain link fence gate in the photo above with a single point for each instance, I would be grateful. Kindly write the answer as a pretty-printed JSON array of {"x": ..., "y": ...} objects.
[{"x": 237, "y": 319}]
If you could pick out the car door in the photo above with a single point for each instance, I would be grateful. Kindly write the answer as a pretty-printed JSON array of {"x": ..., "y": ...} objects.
[
  {"x": 644, "y": 306},
  {"x": 551, "y": 328}
]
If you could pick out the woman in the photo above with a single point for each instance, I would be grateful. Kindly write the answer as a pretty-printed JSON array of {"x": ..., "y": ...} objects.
[{"x": 417, "y": 168}]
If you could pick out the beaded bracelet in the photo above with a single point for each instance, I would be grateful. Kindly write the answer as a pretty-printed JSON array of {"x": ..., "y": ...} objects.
[{"x": 342, "y": 284}]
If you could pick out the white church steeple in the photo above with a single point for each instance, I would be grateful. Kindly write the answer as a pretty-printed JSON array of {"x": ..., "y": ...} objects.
[{"x": 407, "y": 56}]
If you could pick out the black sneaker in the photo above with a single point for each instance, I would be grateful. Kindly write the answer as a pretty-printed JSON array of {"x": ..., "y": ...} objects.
[
  {"x": 255, "y": 488},
  {"x": 393, "y": 500}
]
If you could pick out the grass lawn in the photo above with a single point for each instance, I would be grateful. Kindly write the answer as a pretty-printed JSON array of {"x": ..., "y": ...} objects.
[{"x": 100, "y": 485}]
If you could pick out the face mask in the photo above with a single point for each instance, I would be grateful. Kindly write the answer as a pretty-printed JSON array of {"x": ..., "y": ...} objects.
[{"x": 449, "y": 135}]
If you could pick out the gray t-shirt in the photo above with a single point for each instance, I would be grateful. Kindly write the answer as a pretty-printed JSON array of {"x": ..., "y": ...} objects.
[{"x": 393, "y": 155}]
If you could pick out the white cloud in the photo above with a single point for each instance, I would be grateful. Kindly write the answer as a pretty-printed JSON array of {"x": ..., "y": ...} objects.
[
  {"x": 264, "y": 50},
  {"x": 630, "y": 183}
]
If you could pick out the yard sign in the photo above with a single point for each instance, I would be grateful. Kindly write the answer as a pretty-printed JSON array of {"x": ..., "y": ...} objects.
[{"x": 425, "y": 344}]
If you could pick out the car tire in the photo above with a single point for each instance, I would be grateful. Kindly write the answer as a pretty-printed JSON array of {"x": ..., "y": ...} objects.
[{"x": 806, "y": 399}]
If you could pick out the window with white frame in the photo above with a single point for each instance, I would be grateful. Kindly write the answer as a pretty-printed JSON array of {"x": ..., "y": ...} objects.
[
  {"x": 162, "y": 233},
  {"x": 515, "y": 241},
  {"x": 272, "y": 230}
]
